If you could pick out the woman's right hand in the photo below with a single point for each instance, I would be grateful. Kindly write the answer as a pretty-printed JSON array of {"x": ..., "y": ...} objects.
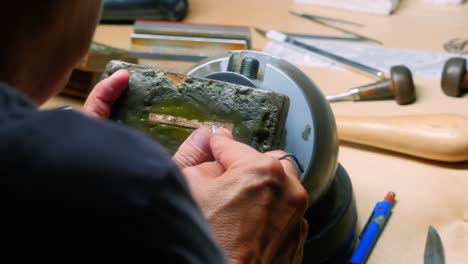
[{"x": 253, "y": 201}]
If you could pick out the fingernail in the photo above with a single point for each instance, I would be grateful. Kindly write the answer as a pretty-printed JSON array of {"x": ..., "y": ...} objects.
[
  {"x": 220, "y": 130},
  {"x": 201, "y": 139}
]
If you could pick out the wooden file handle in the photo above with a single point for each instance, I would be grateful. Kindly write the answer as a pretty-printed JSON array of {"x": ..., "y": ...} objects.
[{"x": 442, "y": 137}]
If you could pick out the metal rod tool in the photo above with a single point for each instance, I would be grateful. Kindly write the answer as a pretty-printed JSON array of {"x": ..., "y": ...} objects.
[
  {"x": 399, "y": 87},
  {"x": 323, "y": 37},
  {"x": 337, "y": 20},
  {"x": 319, "y": 21},
  {"x": 353, "y": 65}
]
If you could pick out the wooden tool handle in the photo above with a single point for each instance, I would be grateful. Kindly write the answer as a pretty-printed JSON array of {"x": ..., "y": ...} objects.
[{"x": 441, "y": 137}]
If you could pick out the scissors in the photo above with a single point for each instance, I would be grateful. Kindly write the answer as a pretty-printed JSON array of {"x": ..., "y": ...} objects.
[{"x": 434, "y": 251}]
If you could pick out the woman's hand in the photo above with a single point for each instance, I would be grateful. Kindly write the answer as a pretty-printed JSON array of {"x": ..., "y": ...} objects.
[
  {"x": 253, "y": 201},
  {"x": 105, "y": 93}
]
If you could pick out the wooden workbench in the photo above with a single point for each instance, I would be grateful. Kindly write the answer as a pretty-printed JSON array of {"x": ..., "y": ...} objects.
[{"x": 427, "y": 192}]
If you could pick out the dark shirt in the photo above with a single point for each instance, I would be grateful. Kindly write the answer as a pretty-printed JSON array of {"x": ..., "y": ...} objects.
[{"x": 79, "y": 190}]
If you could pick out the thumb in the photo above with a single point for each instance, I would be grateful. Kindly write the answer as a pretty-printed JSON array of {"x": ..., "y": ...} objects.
[
  {"x": 195, "y": 149},
  {"x": 229, "y": 152},
  {"x": 105, "y": 93}
]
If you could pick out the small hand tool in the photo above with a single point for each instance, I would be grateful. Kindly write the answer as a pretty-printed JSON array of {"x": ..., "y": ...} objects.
[
  {"x": 323, "y": 37},
  {"x": 280, "y": 37},
  {"x": 440, "y": 137},
  {"x": 373, "y": 229},
  {"x": 319, "y": 21},
  {"x": 337, "y": 20},
  {"x": 399, "y": 87},
  {"x": 457, "y": 46},
  {"x": 454, "y": 80},
  {"x": 434, "y": 251}
]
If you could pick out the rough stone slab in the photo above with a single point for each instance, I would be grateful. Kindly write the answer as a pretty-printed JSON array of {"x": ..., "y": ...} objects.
[{"x": 168, "y": 106}]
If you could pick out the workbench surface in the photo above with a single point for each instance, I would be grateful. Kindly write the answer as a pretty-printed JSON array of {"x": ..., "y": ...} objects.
[{"x": 428, "y": 193}]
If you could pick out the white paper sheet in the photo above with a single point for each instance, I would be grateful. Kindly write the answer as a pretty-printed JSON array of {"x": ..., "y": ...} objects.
[
  {"x": 380, "y": 7},
  {"x": 422, "y": 64}
]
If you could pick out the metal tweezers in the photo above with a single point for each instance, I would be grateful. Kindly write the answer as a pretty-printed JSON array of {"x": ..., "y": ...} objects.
[{"x": 320, "y": 20}]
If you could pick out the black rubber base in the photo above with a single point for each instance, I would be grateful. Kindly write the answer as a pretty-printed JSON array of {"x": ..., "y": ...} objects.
[{"x": 332, "y": 223}]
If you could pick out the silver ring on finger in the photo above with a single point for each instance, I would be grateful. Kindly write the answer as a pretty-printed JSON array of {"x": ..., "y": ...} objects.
[{"x": 295, "y": 161}]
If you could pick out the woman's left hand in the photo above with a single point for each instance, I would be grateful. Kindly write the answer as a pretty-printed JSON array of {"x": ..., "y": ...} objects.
[{"x": 105, "y": 93}]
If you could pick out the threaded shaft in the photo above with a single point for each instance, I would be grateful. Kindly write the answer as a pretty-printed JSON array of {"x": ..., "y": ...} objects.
[{"x": 249, "y": 67}]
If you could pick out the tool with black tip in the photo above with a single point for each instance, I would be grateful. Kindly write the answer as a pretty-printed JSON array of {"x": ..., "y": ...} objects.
[
  {"x": 454, "y": 80},
  {"x": 434, "y": 251},
  {"x": 399, "y": 86}
]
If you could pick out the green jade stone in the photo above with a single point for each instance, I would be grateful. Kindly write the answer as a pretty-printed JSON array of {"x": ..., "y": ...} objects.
[{"x": 169, "y": 106}]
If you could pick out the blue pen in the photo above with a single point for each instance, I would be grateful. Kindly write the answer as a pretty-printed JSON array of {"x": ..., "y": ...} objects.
[{"x": 373, "y": 228}]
